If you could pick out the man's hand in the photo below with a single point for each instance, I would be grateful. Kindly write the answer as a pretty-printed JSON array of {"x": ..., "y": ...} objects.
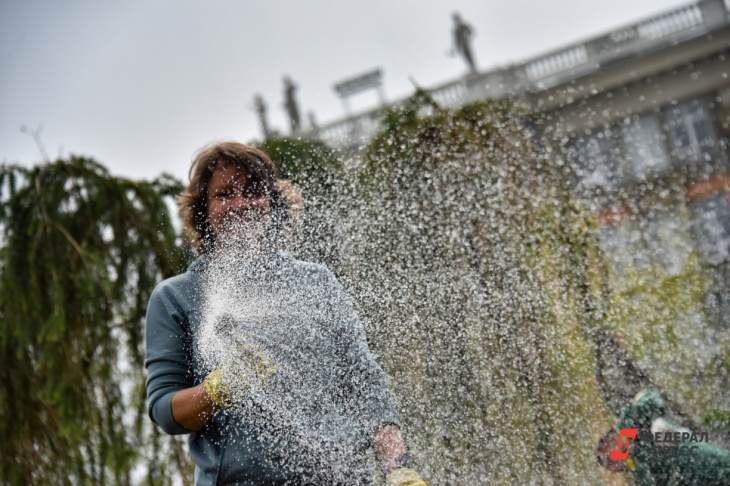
[
  {"x": 404, "y": 476},
  {"x": 217, "y": 389},
  {"x": 249, "y": 368},
  {"x": 193, "y": 407},
  {"x": 395, "y": 462}
]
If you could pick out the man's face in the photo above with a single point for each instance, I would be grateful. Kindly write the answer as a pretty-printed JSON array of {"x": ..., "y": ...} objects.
[{"x": 234, "y": 203}]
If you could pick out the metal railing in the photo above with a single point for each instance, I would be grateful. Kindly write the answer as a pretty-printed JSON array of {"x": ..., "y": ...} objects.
[{"x": 548, "y": 69}]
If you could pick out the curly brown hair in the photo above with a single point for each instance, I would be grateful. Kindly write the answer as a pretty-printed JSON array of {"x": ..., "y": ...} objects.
[{"x": 193, "y": 201}]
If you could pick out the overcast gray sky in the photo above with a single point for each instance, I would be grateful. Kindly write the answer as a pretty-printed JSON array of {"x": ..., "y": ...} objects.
[{"x": 141, "y": 85}]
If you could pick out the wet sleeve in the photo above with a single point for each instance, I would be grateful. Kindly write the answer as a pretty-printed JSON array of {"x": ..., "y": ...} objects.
[
  {"x": 363, "y": 377},
  {"x": 166, "y": 357}
]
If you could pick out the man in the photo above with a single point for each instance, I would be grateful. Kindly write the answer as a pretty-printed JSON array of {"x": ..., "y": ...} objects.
[{"x": 269, "y": 372}]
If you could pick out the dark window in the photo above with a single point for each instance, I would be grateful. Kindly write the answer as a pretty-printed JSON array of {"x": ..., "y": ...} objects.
[{"x": 693, "y": 143}]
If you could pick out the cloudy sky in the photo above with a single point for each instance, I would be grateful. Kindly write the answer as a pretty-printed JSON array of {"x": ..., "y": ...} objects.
[{"x": 141, "y": 85}]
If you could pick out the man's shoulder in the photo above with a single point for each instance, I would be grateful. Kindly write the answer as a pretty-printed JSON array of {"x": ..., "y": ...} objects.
[
  {"x": 177, "y": 288},
  {"x": 175, "y": 282}
]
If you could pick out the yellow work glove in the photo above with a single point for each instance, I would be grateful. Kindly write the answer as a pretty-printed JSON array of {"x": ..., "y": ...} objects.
[
  {"x": 404, "y": 476},
  {"x": 218, "y": 392},
  {"x": 250, "y": 365}
]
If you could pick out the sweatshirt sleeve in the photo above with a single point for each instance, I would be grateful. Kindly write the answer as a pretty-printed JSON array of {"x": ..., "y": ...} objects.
[
  {"x": 166, "y": 357},
  {"x": 364, "y": 378}
]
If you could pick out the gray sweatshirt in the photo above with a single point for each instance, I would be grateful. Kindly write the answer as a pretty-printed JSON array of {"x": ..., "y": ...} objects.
[{"x": 312, "y": 422}]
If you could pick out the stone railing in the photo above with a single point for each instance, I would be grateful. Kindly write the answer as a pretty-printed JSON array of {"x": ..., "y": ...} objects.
[{"x": 548, "y": 69}]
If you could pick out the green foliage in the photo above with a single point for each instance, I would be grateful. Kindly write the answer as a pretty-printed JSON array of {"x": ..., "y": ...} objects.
[
  {"x": 319, "y": 176},
  {"x": 481, "y": 279},
  {"x": 307, "y": 163},
  {"x": 81, "y": 252},
  {"x": 422, "y": 132}
]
